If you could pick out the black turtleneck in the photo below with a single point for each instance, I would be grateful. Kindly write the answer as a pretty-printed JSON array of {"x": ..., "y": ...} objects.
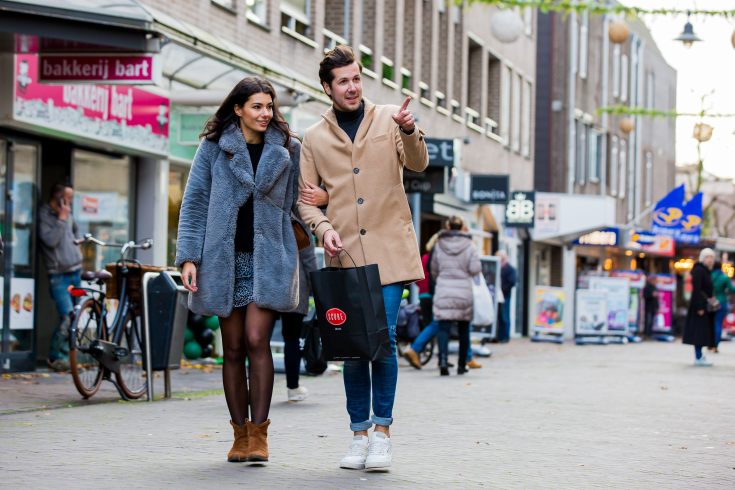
[
  {"x": 350, "y": 121},
  {"x": 245, "y": 217}
]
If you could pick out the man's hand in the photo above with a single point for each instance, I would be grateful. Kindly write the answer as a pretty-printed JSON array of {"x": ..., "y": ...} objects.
[
  {"x": 189, "y": 276},
  {"x": 404, "y": 118},
  {"x": 332, "y": 243},
  {"x": 314, "y": 195},
  {"x": 64, "y": 209}
]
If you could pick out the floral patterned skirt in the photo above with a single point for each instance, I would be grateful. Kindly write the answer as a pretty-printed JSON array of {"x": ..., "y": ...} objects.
[{"x": 243, "y": 295}]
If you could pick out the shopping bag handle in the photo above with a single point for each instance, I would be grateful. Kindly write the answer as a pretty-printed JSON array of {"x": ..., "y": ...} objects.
[{"x": 340, "y": 260}]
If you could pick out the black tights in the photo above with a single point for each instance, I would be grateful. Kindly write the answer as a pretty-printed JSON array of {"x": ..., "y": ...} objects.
[{"x": 246, "y": 333}]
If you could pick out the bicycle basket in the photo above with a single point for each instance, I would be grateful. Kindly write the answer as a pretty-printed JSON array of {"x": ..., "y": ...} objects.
[{"x": 135, "y": 279}]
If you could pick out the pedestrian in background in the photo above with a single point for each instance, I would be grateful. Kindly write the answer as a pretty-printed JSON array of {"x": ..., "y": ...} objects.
[
  {"x": 699, "y": 330},
  {"x": 454, "y": 263},
  {"x": 357, "y": 152},
  {"x": 721, "y": 287},
  {"x": 650, "y": 301},
  {"x": 508, "y": 278},
  {"x": 63, "y": 259},
  {"x": 292, "y": 324},
  {"x": 237, "y": 248}
]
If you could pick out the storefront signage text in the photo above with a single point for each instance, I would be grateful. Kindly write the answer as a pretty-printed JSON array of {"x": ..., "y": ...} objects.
[
  {"x": 602, "y": 238},
  {"x": 441, "y": 152},
  {"x": 520, "y": 210},
  {"x": 489, "y": 189},
  {"x": 431, "y": 181},
  {"x": 104, "y": 68}
]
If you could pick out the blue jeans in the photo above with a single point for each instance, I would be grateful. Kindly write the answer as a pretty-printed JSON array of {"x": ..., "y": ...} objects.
[
  {"x": 504, "y": 325},
  {"x": 698, "y": 352},
  {"x": 429, "y": 332},
  {"x": 719, "y": 318},
  {"x": 445, "y": 327},
  {"x": 58, "y": 285},
  {"x": 358, "y": 380}
]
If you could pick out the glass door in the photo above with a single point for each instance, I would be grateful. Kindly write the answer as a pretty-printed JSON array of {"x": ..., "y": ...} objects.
[{"x": 19, "y": 164}]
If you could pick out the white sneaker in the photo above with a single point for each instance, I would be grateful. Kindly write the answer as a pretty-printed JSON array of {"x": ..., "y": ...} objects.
[
  {"x": 702, "y": 361},
  {"x": 356, "y": 454},
  {"x": 380, "y": 452},
  {"x": 297, "y": 394}
]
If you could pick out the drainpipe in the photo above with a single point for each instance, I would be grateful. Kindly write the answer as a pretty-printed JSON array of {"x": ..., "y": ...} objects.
[
  {"x": 571, "y": 103},
  {"x": 604, "y": 88},
  {"x": 346, "y": 29}
]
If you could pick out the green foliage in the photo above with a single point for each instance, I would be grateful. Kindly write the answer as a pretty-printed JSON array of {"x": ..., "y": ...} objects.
[
  {"x": 621, "y": 110},
  {"x": 599, "y": 7}
]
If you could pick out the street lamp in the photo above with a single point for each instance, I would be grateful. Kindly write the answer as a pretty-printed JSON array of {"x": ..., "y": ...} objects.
[{"x": 687, "y": 37}]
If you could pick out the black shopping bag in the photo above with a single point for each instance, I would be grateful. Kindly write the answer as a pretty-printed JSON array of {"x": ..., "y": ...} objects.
[
  {"x": 311, "y": 348},
  {"x": 351, "y": 313}
]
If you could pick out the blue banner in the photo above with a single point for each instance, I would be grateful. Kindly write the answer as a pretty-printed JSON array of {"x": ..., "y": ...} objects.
[
  {"x": 691, "y": 222},
  {"x": 669, "y": 212}
]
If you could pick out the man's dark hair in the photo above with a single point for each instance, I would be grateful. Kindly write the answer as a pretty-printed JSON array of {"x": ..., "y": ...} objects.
[
  {"x": 455, "y": 223},
  {"x": 57, "y": 190},
  {"x": 336, "y": 58}
]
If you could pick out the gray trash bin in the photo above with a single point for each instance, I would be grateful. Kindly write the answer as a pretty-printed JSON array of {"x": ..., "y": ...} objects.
[{"x": 167, "y": 315}]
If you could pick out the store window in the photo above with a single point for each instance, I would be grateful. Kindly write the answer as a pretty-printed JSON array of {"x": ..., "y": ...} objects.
[
  {"x": 101, "y": 203},
  {"x": 177, "y": 177}
]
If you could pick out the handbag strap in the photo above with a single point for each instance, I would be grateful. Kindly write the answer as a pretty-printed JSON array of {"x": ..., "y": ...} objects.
[{"x": 340, "y": 260}]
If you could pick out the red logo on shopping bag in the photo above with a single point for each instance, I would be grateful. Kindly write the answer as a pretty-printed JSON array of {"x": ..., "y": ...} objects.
[{"x": 335, "y": 316}]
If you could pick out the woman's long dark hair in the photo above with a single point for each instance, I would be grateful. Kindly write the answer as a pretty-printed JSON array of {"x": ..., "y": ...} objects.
[{"x": 240, "y": 94}]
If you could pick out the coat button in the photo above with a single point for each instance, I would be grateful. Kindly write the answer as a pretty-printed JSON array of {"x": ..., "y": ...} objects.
[
  {"x": 356, "y": 170},
  {"x": 363, "y": 231},
  {"x": 360, "y": 201}
]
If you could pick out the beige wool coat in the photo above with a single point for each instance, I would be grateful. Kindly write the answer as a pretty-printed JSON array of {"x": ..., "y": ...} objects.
[{"x": 367, "y": 203}]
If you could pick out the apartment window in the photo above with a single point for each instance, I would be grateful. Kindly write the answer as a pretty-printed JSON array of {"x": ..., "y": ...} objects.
[
  {"x": 613, "y": 166},
  {"x": 338, "y": 21},
  {"x": 257, "y": 10},
  {"x": 624, "y": 78},
  {"x": 228, "y": 4},
  {"x": 515, "y": 134},
  {"x": 581, "y": 154},
  {"x": 388, "y": 71},
  {"x": 409, "y": 63},
  {"x": 441, "y": 99},
  {"x": 494, "y": 95},
  {"x": 366, "y": 58},
  {"x": 295, "y": 16},
  {"x": 622, "y": 167},
  {"x": 474, "y": 80},
  {"x": 649, "y": 178},
  {"x": 650, "y": 91},
  {"x": 424, "y": 91},
  {"x": 584, "y": 44},
  {"x": 425, "y": 59},
  {"x": 528, "y": 21},
  {"x": 526, "y": 121},
  {"x": 406, "y": 79},
  {"x": 616, "y": 71},
  {"x": 594, "y": 140},
  {"x": 505, "y": 81}
]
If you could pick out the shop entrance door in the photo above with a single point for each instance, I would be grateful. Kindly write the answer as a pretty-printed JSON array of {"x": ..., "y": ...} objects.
[{"x": 19, "y": 168}]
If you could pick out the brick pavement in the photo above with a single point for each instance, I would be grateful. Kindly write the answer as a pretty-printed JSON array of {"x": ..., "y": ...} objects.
[{"x": 537, "y": 416}]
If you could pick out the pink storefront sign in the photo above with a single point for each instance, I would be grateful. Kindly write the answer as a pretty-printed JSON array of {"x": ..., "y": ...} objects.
[
  {"x": 99, "y": 68},
  {"x": 122, "y": 115}
]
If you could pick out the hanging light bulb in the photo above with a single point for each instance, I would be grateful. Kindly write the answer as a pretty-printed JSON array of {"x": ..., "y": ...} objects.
[
  {"x": 506, "y": 26},
  {"x": 687, "y": 36}
]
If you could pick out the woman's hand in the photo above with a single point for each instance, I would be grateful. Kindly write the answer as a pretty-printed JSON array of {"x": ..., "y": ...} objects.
[
  {"x": 700, "y": 312},
  {"x": 313, "y": 195},
  {"x": 189, "y": 276}
]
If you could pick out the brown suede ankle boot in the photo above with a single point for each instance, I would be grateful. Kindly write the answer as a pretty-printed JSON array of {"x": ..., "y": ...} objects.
[
  {"x": 257, "y": 441},
  {"x": 239, "y": 451}
]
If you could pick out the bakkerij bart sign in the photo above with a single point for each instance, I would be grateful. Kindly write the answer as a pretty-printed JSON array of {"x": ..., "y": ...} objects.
[{"x": 672, "y": 217}]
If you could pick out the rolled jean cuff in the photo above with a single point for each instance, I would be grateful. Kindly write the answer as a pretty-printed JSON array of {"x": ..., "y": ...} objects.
[
  {"x": 382, "y": 421},
  {"x": 358, "y": 426}
]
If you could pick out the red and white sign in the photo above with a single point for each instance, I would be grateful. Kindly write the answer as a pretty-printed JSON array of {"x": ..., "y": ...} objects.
[
  {"x": 99, "y": 68},
  {"x": 90, "y": 205},
  {"x": 121, "y": 115},
  {"x": 335, "y": 316}
]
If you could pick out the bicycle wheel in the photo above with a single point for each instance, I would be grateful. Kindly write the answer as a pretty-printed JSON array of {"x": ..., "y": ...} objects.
[
  {"x": 425, "y": 355},
  {"x": 88, "y": 326},
  {"x": 132, "y": 376}
]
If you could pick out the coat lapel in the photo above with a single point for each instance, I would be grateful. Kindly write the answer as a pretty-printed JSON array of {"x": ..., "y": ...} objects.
[{"x": 233, "y": 144}]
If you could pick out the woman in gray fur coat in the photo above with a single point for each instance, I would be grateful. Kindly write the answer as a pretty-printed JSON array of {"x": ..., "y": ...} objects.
[{"x": 237, "y": 249}]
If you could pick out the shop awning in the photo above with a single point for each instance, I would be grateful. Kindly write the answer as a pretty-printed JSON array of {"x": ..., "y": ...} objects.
[
  {"x": 562, "y": 218},
  {"x": 119, "y": 24}
]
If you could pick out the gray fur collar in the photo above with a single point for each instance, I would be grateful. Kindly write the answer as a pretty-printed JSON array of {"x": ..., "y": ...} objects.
[{"x": 273, "y": 162}]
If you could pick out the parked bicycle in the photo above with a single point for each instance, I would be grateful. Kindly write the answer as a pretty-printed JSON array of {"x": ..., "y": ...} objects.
[{"x": 97, "y": 348}]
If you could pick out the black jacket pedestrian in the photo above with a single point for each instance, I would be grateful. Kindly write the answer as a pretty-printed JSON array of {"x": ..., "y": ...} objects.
[{"x": 700, "y": 330}]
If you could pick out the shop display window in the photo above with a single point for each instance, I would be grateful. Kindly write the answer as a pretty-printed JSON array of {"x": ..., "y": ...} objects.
[
  {"x": 101, "y": 203},
  {"x": 177, "y": 177}
]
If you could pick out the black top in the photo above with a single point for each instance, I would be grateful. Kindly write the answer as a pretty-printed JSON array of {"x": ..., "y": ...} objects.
[
  {"x": 244, "y": 231},
  {"x": 649, "y": 295},
  {"x": 350, "y": 121}
]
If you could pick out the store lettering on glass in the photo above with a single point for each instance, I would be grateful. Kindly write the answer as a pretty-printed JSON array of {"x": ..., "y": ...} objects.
[
  {"x": 90, "y": 97},
  {"x": 107, "y": 68}
]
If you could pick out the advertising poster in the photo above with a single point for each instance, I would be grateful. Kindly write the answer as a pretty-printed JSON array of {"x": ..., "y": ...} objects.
[
  {"x": 591, "y": 316},
  {"x": 491, "y": 273},
  {"x": 22, "y": 302},
  {"x": 665, "y": 289},
  {"x": 635, "y": 307},
  {"x": 548, "y": 312},
  {"x": 618, "y": 297}
]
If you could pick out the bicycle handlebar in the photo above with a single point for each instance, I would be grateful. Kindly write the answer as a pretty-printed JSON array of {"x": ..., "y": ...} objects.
[{"x": 143, "y": 244}]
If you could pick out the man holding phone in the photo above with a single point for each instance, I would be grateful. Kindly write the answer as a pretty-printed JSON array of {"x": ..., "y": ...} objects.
[
  {"x": 63, "y": 260},
  {"x": 357, "y": 152}
]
